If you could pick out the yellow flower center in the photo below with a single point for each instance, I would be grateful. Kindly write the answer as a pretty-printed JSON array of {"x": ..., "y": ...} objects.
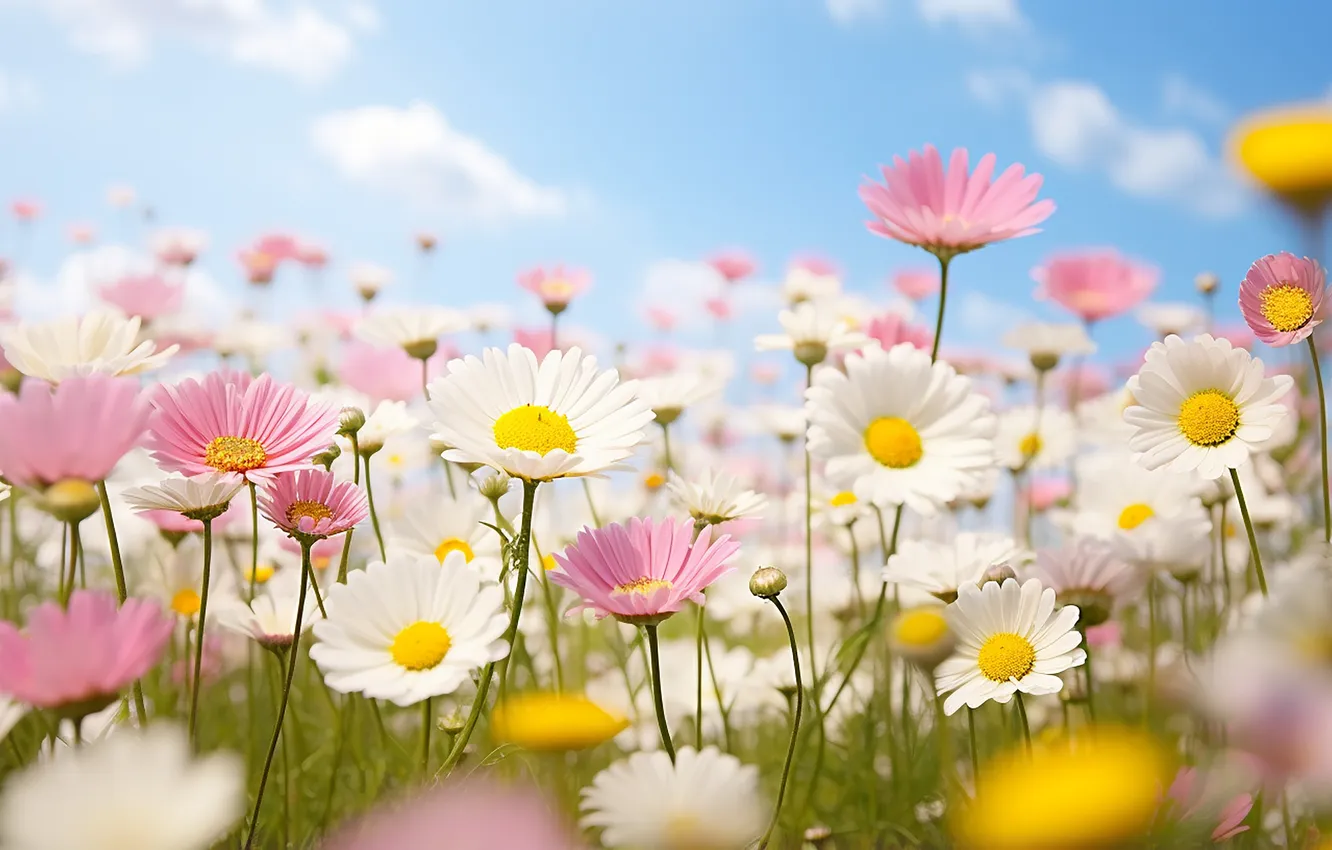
[
  {"x": 535, "y": 428},
  {"x": 548, "y": 562},
  {"x": 920, "y": 627},
  {"x": 893, "y": 442},
  {"x": 262, "y": 572},
  {"x": 303, "y": 509},
  {"x": 1030, "y": 445},
  {"x": 1135, "y": 515},
  {"x": 185, "y": 603},
  {"x": 1287, "y": 307},
  {"x": 1006, "y": 656},
  {"x": 1208, "y": 418},
  {"x": 235, "y": 454},
  {"x": 454, "y": 544},
  {"x": 653, "y": 480},
  {"x": 557, "y": 289},
  {"x": 842, "y": 499},
  {"x": 552, "y": 722},
  {"x": 642, "y": 585},
  {"x": 421, "y": 646}
]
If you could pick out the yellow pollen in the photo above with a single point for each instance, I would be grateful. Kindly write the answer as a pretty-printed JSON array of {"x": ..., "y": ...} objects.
[
  {"x": 556, "y": 289},
  {"x": 1135, "y": 515},
  {"x": 842, "y": 499},
  {"x": 262, "y": 572},
  {"x": 1006, "y": 656},
  {"x": 920, "y": 627},
  {"x": 642, "y": 585},
  {"x": 653, "y": 480},
  {"x": 535, "y": 428},
  {"x": 454, "y": 544},
  {"x": 303, "y": 508},
  {"x": 548, "y": 562},
  {"x": 893, "y": 442},
  {"x": 235, "y": 454},
  {"x": 1030, "y": 445},
  {"x": 185, "y": 603},
  {"x": 1287, "y": 307},
  {"x": 320, "y": 562},
  {"x": 1208, "y": 418},
  {"x": 421, "y": 646}
]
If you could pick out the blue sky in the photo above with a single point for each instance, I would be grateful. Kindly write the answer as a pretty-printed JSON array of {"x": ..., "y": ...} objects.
[{"x": 618, "y": 135}]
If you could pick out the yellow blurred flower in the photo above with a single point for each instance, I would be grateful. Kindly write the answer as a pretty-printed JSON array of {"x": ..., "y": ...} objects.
[
  {"x": 547, "y": 721},
  {"x": 1289, "y": 151},
  {"x": 1100, "y": 791}
]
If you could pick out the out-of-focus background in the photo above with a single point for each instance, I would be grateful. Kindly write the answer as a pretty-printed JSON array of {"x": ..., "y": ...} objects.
[{"x": 632, "y": 138}]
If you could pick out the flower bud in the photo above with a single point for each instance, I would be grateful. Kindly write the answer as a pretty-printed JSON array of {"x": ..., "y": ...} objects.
[
  {"x": 327, "y": 456},
  {"x": 422, "y": 349},
  {"x": 453, "y": 722},
  {"x": 998, "y": 573},
  {"x": 819, "y": 836},
  {"x": 71, "y": 500},
  {"x": 1094, "y": 606},
  {"x": 1044, "y": 361},
  {"x": 1207, "y": 283},
  {"x": 811, "y": 353},
  {"x": 922, "y": 636},
  {"x": 767, "y": 582},
  {"x": 493, "y": 486},
  {"x": 350, "y": 420}
]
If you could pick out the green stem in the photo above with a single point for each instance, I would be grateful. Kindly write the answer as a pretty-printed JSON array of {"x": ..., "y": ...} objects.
[
  {"x": 1322, "y": 438},
  {"x": 809, "y": 556},
  {"x": 716, "y": 690},
  {"x": 374, "y": 516},
  {"x": 795, "y": 724},
  {"x": 342, "y": 561},
  {"x": 666, "y": 447},
  {"x": 654, "y": 652},
  {"x": 521, "y": 547},
  {"x": 1248, "y": 526},
  {"x": 591, "y": 506},
  {"x": 73, "y": 550},
  {"x": 943, "y": 298},
  {"x": 203, "y": 619},
  {"x": 699, "y": 637},
  {"x": 975, "y": 753},
  {"x": 1022, "y": 718},
  {"x": 1150, "y": 696},
  {"x": 117, "y": 566},
  {"x": 254, "y": 539},
  {"x": 1091, "y": 682},
  {"x": 552, "y": 619},
  {"x": 427, "y": 721}
]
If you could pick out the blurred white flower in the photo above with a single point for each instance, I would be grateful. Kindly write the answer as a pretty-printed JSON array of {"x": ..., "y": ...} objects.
[{"x": 99, "y": 343}]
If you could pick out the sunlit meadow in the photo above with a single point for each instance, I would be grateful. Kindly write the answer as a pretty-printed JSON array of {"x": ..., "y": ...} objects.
[{"x": 317, "y": 552}]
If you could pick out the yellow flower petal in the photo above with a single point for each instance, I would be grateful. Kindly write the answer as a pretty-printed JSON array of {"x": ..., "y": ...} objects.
[
  {"x": 1289, "y": 151},
  {"x": 547, "y": 721}
]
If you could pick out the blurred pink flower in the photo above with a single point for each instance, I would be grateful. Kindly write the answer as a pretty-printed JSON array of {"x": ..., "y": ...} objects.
[
  {"x": 890, "y": 329},
  {"x": 556, "y": 286},
  {"x": 26, "y": 209},
  {"x": 661, "y": 318},
  {"x": 1105, "y": 636},
  {"x": 81, "y": 233},
  {"x": 948, "y": 211},
  {"x": 1187, "y": 796},
  {"x": 1238, "y": 335},
  {"x": 814, "y": 264},
  {"x": 660, "y": 359},
  {"x": 147, "y": 296},
  {"x": 382, "y": 373},
  {"x": 182, "y": 671},
  {"x": 280, "y": 246},
  {"x": 259, "y": 267},
  {"x": 1095, "y": 284},
  {"x": 765, "y": 374},
  {"x": 1281, "y": 298},
  {"x": 82, "y": 657},
  {"x": 916, "y": 284},
  {"x": 312, "y": 503},
  {"x": 1044, "y": 493},
  {"x": 426, "y": 242},
  {"x": 1083, "y": 383},
  {"x": 718, "y": 307},
  {"x": 174, "y": 521},
  {"x": 733, "y": 265},
  {"x": 311, "y": 255},
  {"x": 539, "y": 340}
]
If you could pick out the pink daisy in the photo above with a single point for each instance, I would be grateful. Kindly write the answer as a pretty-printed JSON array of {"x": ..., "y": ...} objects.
[
  {"x": 146, "y": 296},
  {"x": 312, "y": 504},
  {"x": 383, "y": 373},
  {"x": 174, "y": 522},
  {"x": 813, "y": 264},
  {"x": 1282, "y": 298},
  {"x": 733, "y": 265},
  {"x": 82, "y": 657},
  {"x": 916, "y": 284},
  {"x": 279, "y": 246},
  {"x": 949, "y": 212},
  {"x": 890, "y": 329},
  {"x": 556, "y": 286},
  {"x": 259, "y": 267},
  {"x": 1188, "y": 798},
  {"x": 229, "y": 424},
  {"x": 719, "y": 308},
  {"x": 311, "y": 255},
  {"x": 1094, "y": 285},
  {"x": 77, "y": 430},
  {"x": 642, "y": 572}
]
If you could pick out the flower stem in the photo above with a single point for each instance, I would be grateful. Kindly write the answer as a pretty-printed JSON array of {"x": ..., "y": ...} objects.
[
  {"x": 521, "y": 547},
  {"x": 975, "y": 754},
  {"x": 1091, "y": 682},
  {"x": 666, "y": 447},
  {"x": 254, "y": 539},
  {"x": 203, "y": 619},
  {"x": 591, "y": 506},
  {"x": 117, "y": 566},
  {"x": 699, "y": 637},
  {"x": 294, "y": 651},
  {"x": 427, "y": 721},
  {"x": 1248, "y": 526},
  {"x": 1022, "y": 718},
  {"x": 943, "y": 298},
  {"x": 795, "y": 724},
  {"x": 655, "y": 653},
  {"x": 809, "y": 553},
  {"x": 1322, "y": 438},
  {"x": 67, "y": 590},
  {"x": 374, "y": 516}
]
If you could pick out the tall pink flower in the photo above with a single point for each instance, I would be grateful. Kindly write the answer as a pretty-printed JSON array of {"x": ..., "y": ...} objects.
[
  {"x": 81, "y": 658},
  {"x": 948, "y": 211},
  {"x": 813, "y": 264},
  {"x": 556, "y": 286},
  {"x": 642, "y": 572},
  {"x": 26, "y": 209},
  {"x": 916, "y": 284},
  {"x": 253, "y": 429},
  {"x": 718, "y": 307},
  {"x": 146, "y": 296},
  {"x": 733, "y": 265},
  {"x": 1281, "y": 298},
  {"x": 1188, "y": 798},
  {"x": 279, "y": 246},
  {"x": 77, "y": 430},
  {"x": 1096, "y": 284},
  {"x": 661, "y": 318},
  {"x": 259, "y": 267},
  {"x": 890, "y": 329},
  {"x": 311, "y": 255},
  {"x": 312, "y": 504},
  {"x": 383, "y": 373}
]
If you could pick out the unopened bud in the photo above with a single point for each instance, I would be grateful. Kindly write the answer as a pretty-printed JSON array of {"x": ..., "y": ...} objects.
[
  {"x": 422, "y": 349},
  {"x": 811, "y": 353},
  {"x": 819, "y": 835},
  {"x": 1207, "y": 283},
  {"x": 1094, "y": 606},
  {"x": 767, "y": 582},
  {"x": 998, "y": 573},
  {"x": 1044, "y": 361},
  {"x": 71, "y": 500},
  {"x": 494, "y": 485},
  {"x": 327, "y": 456},
  {"x": 453, "y": 722},
  {"x": 350, "y": 420}
]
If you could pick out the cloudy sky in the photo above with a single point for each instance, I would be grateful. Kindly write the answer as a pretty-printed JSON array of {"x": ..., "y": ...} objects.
[{"x": 628, "y": 135}]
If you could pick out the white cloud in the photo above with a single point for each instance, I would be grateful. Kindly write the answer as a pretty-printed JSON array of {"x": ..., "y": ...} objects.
[
  {"x": 1181, "y": 97},
  {"x": 82, "y": 273},
  {"x": 982, "y": 318},
  {"x": 996, "y": 88},
  {"x": 853, "y": 11},
  {"x": 974, "y": 15},
  {"x": 294, "y": 38},
  {"x": 414, "y": 153},
  {"x": 16, "y": 92}
]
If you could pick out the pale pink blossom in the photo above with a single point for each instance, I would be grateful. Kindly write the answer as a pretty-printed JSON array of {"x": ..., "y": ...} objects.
[
  {"x": 733, "y": 265},
  {"x": 147, "y": 296},
  {"x": 916, "y": 284},
  {"x": 1095, "y": 284}
]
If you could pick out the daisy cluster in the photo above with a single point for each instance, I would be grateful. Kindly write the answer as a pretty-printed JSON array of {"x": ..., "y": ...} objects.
[{"x": 403, "y": 584}]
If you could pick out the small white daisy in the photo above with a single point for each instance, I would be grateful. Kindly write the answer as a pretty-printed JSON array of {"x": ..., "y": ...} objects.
[
  {"x": 414, "y": 329},
  {"x": 781, "y": 421},
  {"x": 100, "y": 343},
  {"x": 1164, "y": 319},
  {"x": 670, "y": 395},
  {"x": 1045, "y": 344},
  {"x": 941, "y": 569},
  {"x": 140, "y": 789},
  {"x": 389, "y": 419},
  {"x": 707, "y": 799},
  {"x": 178, "y": 580},
  {"x": 812, "y": 332},
  {"x": 1202, "y": 405},
  {"x": 439, "y": 525},
  {"x": 270, "y": 619},
  {"x": 715, "y": 497},
  {"x": 897, "y": 429},
  {"x": 1101, "y": 420},
  {"x": 409, "y": 629},
  {"x": 561, "y": 418},
  {"x": 199, "y": 497},
  {"x": 802, "y": 285},
  {"x": 1028, "y": 439},
  {"x": 1116, "y": 496},
  {"x": 1009, "y": 639}
]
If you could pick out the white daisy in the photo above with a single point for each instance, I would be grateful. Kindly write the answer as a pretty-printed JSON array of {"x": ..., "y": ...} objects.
[
  {"x": 196, "y": 497},
  {"x": 1164, "y": 319},
  {"x": 140, "y": 789},
  {"x": 1030, "y": 439},
  {"x": 438, "y": 525},
  {"x": 715, "y": 497},
  {"x": 839, "y": 508},
  {"x": 388, "y": 419},
  {"x": 178, "y": 580},
  {"x": 493, "y": 316},
  {"x": 802, "y": 285},
  {"x": 781, "y": 421},
  {"x": 1115, "y": 497},
  {"x": 942, "y": 569},
  {"x": 271, "y": 618},
  {"x": 707, "y": 799},
  {"x": 100, "y": 343},
  {"x": 409, "y": 629},
  {"x": 1179, "y": 545},
  {"x": 898, "y": 429},
  {"x": 561, "y": 418},
  {"x": 670, "y": 395},
  {"x": 1009, "y": 639},
  {"x": 414, "y": 329},
  {"x": 251, "y": 339},
  {"x": 812, "y": 332},
  {"x": 368, "y": 279},
  {"x": 1101, "y": 420},
  {"x": 1202, "y": 405},
  {"x": 1046, "y": 343}
]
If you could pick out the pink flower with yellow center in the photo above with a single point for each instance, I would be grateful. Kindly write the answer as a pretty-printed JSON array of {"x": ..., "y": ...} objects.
[
  {"x": 733, "y": 265},
  {"x": 644, "y": 571},
  {"x": 312, "y": 504},
  {"x": 1095, "y": 285},
  {"x": 556, "y": 286},
  {"x": 228, "y": 423},
  {"x": 890, "y": 329},
  {"x": 1281, "y": 298}
]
